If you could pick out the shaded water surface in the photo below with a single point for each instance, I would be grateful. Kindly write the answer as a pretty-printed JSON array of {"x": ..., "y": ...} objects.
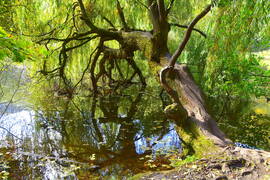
[{"x": 114, "y": 134}]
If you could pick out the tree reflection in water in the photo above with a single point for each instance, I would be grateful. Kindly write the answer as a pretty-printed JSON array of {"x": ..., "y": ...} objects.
[{"x": 112, "y": 133}]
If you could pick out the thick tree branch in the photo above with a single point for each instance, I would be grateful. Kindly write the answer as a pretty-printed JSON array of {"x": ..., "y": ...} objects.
[
  {"x": 187, "y": 36},
  {"x": 173, "y": 59},
  {"x": 85, "y": 16},
  {"x": 115, "y": 53},
  {"x": 94, "y": 63},
  {"x": 45, "y": 72},
  {"x": 75, "y": 5},
  {"x": 168, "y": 89},
  {"x": 63, "y": 61},
  {"x": 161, "y": 28},
  {"x": 102, "y": 69},
  {"x": 124, "y": 54}
]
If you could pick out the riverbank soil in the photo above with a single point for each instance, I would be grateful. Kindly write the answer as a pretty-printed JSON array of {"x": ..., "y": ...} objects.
[{"x": 218, "y": 168}]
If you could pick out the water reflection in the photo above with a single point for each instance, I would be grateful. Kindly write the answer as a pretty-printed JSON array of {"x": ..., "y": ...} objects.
[
  {"x": 83, "y": 137},
  {"x": 167, "y": 143},
  {"x": 244, "y": 121}
]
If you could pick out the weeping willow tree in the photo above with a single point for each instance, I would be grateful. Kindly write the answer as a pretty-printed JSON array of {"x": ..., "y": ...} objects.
[{"x": 105, "y": 38}]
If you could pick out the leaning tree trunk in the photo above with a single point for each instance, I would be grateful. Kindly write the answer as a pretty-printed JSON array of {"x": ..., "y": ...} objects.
[
  {"x": 198, "y": 130},
  {"x": 196, "y": 127}
]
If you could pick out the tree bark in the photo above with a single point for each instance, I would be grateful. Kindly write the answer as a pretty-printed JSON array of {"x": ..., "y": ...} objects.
[{"x": 195, "y": 124}]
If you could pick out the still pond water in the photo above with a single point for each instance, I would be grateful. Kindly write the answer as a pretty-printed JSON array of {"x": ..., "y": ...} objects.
[{"x": 116, "y": 135}]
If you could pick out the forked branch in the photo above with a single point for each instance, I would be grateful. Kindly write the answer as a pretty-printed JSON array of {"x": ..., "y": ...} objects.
[
  {"x": 95, "y": 29},
  {"x": 177, "y": 53}
]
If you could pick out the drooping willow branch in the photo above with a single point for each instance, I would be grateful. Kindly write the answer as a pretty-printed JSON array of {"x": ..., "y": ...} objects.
[
  {"x": 109, "y": 22},
  {"x": 136, "y": 70},
  {"x": 122, "y": 16},
  {"x": 185, "y": 26},
  {"x": 170, "y": 7},
  {"x": 142, "y": 4},
  {"x": 113, "y": 55},
  {"x": 76, "y": 36},
  {"x": 59, "y": 27},
  {"x": 87, "y": 67},
  {"x": 63, "y": 57}
]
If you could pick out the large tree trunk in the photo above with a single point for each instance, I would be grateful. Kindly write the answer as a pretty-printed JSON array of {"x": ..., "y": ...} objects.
[
  {"x": 198, "y": 129},
  {"x": 195, "y": 125}
]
